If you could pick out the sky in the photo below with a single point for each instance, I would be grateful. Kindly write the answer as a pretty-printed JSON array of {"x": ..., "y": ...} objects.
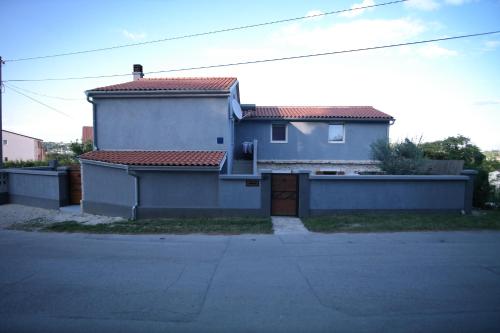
[{"x": 433, "y": 90}]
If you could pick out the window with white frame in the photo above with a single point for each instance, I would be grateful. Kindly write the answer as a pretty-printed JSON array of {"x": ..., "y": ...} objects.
[
  {"x": 336, "y": 133},
  {"x": 4, "y": 142},
  {"x": 279, "y": 133}
]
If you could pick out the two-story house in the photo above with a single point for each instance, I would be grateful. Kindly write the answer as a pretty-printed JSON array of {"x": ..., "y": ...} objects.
[
  {"x": 20, "y": 147},
  {"x": 161, "y": 146}
]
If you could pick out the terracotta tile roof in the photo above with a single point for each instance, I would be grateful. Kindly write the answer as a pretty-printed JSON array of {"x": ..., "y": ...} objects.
[
  {"x": 308, "y": 112},
  {"x": 174, "y": 84},
  {"x": 157, "y": 158}
]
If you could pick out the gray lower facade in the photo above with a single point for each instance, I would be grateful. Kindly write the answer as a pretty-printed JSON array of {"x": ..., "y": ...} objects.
[
  {"x": 38, "y": 187},
  {"x": 116, "y": 190},
  {"x": 120, "y": 191}
]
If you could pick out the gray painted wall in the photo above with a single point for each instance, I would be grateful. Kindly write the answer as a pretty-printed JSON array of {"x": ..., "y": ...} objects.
[
  {"x": 39, "y": 188},
  {"x": 328, "y": 194},
  {"x": 106, "y": 185},
  {"x": 177, "y": 123},
  {"x": 179, "y": 189},
  {"x": 111, "y": 191},
  {"x": 309, "y": 140},
  {"x": 233, "y": 193}
]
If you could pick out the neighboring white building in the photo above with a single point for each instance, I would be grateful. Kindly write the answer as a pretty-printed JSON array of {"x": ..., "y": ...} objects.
[
  {"x": 21, "y": 147},
  {"x": 494, "y": 178}
]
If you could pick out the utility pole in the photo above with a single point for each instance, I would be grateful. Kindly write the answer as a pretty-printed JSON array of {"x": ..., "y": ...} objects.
[{"x": 1, "y": 128}]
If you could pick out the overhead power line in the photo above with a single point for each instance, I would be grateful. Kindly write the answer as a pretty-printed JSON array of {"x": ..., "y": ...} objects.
[
  {"x": 212, "y": 32},
  {"x": 266, "y": 60},
  {"x": 48, "y": 96},
  {"x": 37, "y": 101}
]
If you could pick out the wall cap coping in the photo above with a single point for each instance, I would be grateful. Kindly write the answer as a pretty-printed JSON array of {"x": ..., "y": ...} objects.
[
  {"x": 240, "y": 177},
  {"x": 469, "y": 172},
  {"x": 34, "y": 172},
  {"x": 349, "y": 162},
  {"x": 390, "y": 177}
]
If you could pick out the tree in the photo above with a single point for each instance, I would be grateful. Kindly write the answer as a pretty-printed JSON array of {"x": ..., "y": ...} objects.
[
  {"x": 401, "y": 158},
  {"x": 454, "y": 148},
  {"x": 80, "y": 148},
  {"x": 460, "y": 148}
]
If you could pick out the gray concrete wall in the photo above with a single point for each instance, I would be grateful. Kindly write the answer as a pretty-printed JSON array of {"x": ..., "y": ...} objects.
[
  {"x": 233, "y": 193},
  {"x": 309, "y": 140},
  {"x": 111, "y": 191},
  {"x": 199, "y": 194},
  {"x": 162, "y": 123},
  {"x": 329, "y": 194},
  {"x": 39, "y": 188},
  {"x": 107, "y": 191},
  {"x": 178, "y": 189}
]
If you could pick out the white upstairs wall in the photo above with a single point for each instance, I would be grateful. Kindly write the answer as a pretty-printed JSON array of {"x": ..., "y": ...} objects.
[{"x": 21, "y": 147}]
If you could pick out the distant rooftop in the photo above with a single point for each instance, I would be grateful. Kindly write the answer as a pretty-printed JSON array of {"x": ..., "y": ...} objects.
[{"x": 26, "y": 136}]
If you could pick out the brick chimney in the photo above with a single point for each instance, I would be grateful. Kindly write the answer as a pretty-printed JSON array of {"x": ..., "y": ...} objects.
[{"x": 137, "y": 73}]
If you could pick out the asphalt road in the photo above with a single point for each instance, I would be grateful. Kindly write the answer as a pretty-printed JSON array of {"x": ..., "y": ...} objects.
[{"x": 385, "y": 282}]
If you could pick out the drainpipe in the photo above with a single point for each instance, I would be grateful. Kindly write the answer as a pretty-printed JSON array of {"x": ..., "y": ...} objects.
[
  {"x": 230, "y": 150},
  {"x": 136, "y": 192},
  {"x": 94, "y": 121},
  {"x": 255, "y": 158}
]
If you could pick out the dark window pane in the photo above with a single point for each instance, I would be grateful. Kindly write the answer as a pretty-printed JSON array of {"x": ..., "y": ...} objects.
[{"x": 279, "y": 132}]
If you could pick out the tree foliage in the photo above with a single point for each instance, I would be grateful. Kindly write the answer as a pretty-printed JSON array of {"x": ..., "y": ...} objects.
[
  {"x": 401, "y": 158},
  {"x": 460, "y": 148},
  {"x": 79, "y": 148},
  {"x": 455, "y": 148}
]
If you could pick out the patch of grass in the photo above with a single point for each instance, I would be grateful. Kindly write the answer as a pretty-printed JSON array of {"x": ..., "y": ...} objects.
[
  {"x": 31, "y": 225},
  {"x": 234, "y": 225},
  {"x": 378, "y": 222}
]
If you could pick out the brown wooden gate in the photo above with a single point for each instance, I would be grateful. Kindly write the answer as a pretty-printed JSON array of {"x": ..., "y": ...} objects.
[
  {"x": 284, "y": 189},
  {"x": 75, "y": 184}
]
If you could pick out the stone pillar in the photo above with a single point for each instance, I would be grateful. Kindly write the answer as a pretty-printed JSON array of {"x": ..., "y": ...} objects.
[
  {"x": 469, "y": 189},
  {"x": 4, "y": 187},
  {"x": 304, "y": 193},
  {"x": 265, "y": 194}
]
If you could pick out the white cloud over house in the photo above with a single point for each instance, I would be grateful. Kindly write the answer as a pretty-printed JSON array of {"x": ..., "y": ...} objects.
[
  {"x": 133, "y": 35},
  {"x": 429, "y": 5},
  {"x": 434, "y": 50},
  {"x": 315, "y": 15},
  {"x": 354, "y": 13}
]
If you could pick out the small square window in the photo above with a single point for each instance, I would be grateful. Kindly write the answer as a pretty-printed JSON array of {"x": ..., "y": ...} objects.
[
  {"x": 4, "y": 142},
  {"x": 279, "y": 133},
  {"x": 336, "y": 133}
]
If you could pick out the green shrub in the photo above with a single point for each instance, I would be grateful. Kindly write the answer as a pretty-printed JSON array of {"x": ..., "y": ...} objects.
[{"x": 401, "y": 158}]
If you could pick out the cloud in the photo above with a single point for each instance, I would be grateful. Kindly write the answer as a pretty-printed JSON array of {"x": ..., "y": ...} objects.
[
  {"x": 313, "y": 14},
  {"x": 132, "y": 35},
  {"x": 352, "y": 34},
  {"x": 435, "y": 51},
  {"x": 426, "y": 5},
  {"x": 358, "y": 12},
  {"x": 487, "y": 103},
  {"x": 456, "y": 2},
  {"x": 491, "y": 44},
  {"x": 429, "y": 5}
]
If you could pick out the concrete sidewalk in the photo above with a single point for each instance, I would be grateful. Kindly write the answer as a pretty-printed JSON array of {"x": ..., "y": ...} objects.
[
  {"x": 287, "y": 225},
  {"x": 380, "y": 282}
]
